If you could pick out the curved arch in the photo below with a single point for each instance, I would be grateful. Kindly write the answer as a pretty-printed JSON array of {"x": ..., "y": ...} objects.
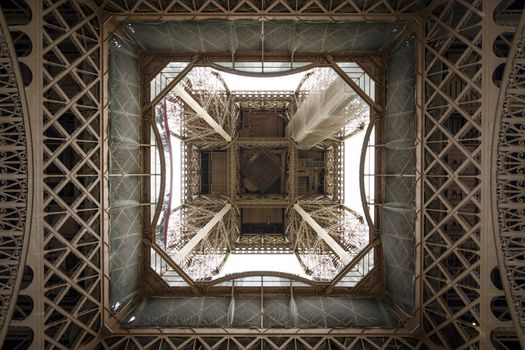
[
  {"x": 262, "y": 274},
  {"x": 268, "y": 75},
  {"x": 16, "y": 191},
  {"x": 162, "y": 158},
  {"x": 362, "y": 192},
  {"x": 507, "y": 180}
]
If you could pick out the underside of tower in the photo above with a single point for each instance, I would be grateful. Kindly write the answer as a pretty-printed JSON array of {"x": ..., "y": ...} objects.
[{"x": 262, "y": 174}]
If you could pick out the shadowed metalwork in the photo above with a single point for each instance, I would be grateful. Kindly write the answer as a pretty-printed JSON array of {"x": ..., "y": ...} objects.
[
  {"x": 459, "y": 290},
  {"x": 15, "y": 171}
]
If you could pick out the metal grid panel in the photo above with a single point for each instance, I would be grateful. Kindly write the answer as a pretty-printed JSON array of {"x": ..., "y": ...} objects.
[
  {"x": 267, "y": 312},
  {"x": 397, "y": 212},
  {"x": 252, "y": 36},
  {"x": 124, "y": 169}
]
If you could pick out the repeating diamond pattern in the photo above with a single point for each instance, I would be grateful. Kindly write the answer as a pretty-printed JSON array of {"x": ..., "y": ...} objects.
[
  {"x": 72, "y": 174},
  {"x": 259, "y": 7},
  {"x": 452, "y": 164}
]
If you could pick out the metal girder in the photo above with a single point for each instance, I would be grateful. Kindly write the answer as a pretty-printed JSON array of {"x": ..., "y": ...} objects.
[
  {"x": 200, "y": 235},
  {"x": 217, "y": 338},
  {"x": 507, "y": 186},
  {"x": 377, "y": 107},
  {"x": 350, "y": 10},
  {"x": 324, "y": 235},
  {"x": 201, "y": 112},
  {"x": 173, "y": 83},
  {"x": 16, "y": 177},
  {"x": 462, "y": 90}
]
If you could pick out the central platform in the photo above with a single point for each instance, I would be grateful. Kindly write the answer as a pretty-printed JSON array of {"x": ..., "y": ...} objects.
[{"x": 262, "y": 171}]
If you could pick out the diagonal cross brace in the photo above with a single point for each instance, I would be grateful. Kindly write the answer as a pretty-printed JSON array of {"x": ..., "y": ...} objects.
[
  {"x": 345, "y": 257},
  {"x": 201, "y": 112},
  {"x": 201, "y": 234}
]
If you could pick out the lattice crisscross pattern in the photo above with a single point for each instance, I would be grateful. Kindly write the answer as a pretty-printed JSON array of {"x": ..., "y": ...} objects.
[
  {"x": 72, "y": 167},
  {"x": 71, "y": 151},
  {"x": 258, "y": 7},
  {"x": 452, "y": 128},
  {"x": 261, "y": 342}
]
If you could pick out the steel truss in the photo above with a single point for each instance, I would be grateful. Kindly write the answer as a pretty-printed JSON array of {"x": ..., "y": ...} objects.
[
  {"x": 316, "y": 256},
  {"x": 252, "y": 9},
  {"x": 193, "y": 103},
  {"x": 212, "y": 94},
  {"x": 451, "y": 224},
  {"x": 205, "y": 255},
  {"x": 335, "y": 155},
  {"x": 460, "y": 268},
  {"x": 460, "y": 277},
  {"x": 344, "y": 233},
  {"x": 16, "y": 174},
  {"x": 191, "y": 172},
  {"x": 346, "y": 226},
  {"x": 245, "y": 342},
  {"x": 266, "y": 99},
  {"x": 195, "y": 129},
  {"x": 510, "y": 182},
  {"x": 64, "y": 82}
]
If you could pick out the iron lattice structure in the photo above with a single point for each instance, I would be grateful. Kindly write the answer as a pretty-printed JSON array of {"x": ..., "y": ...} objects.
[
  {"x": 256, "y": 9},
  {"x": 509, "y": 180},
  {"x": 16, "y": 194},
  {"x": 458, "y": 216},
  {"x": 206, "y": 118},
  {"x": 471, "y": 296}
]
